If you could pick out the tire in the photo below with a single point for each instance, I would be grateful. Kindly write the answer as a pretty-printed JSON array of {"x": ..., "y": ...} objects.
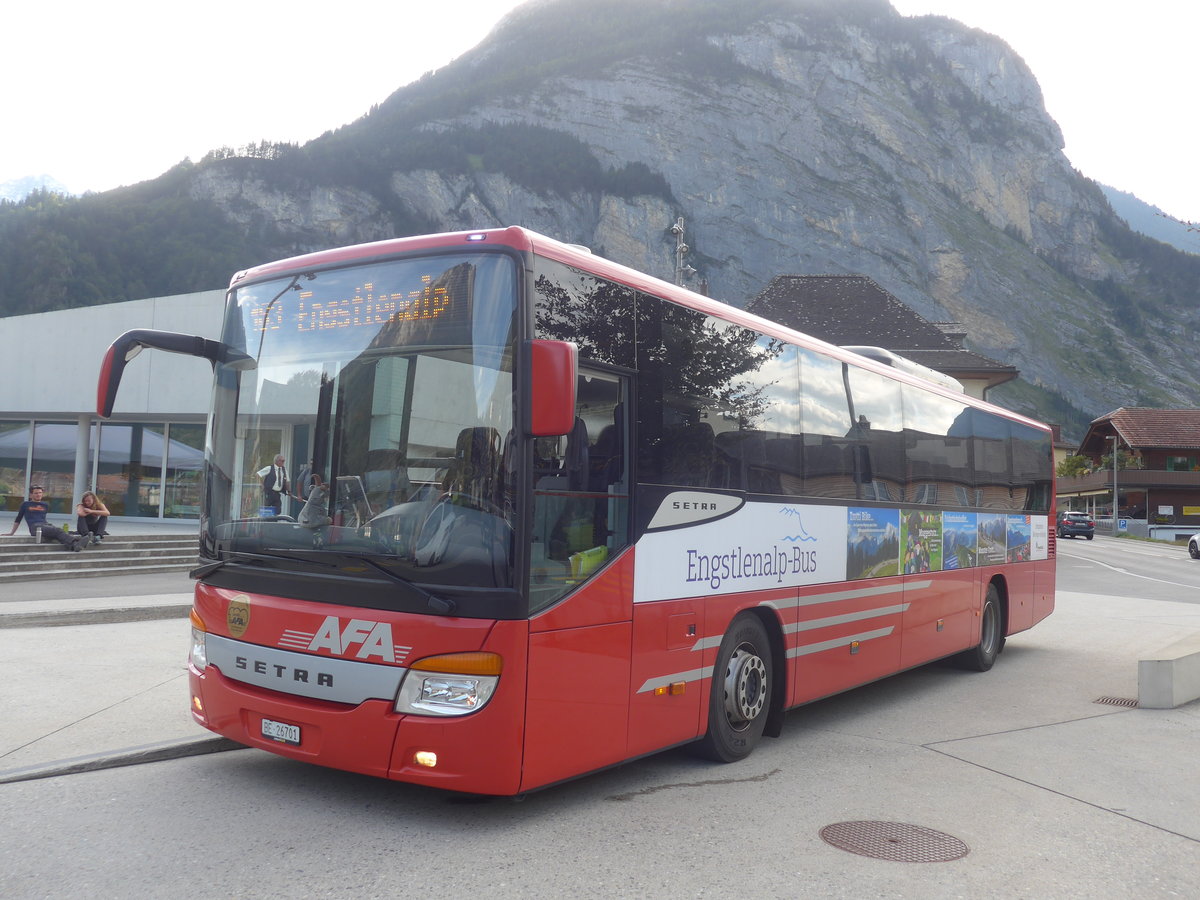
[
  {"x": 1194, "y": 550},
  {"x": 983, "y": 655},
  {"x": 740, "y": 699},
  {"x": 1090, "y": 536}
]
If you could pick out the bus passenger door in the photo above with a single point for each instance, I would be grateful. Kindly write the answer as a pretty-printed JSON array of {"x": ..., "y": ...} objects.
[{"x": 581, "y": 590}]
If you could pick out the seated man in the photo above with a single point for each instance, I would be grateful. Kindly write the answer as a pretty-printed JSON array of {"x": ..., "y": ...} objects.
[{"x": 34, "y": 510}]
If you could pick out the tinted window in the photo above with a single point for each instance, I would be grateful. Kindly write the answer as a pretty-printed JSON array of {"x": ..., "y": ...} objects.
[
  {"x": 597, "y": 315},
  {"x": 764, "y": 450},
  {"x": 878, "y": 431},
  {"x": 700, "y": 378},
  {"x": 825, "y": 424},
  {"x": 990, "y": 454},
  {"x": 1033, "y": 461},
  {"x": 937, "y": 434}
]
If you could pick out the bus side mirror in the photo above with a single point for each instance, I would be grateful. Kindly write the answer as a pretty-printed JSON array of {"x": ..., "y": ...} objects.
[
  {"x": 553, "y": 366},
  {"x": 130, "y": 344}
]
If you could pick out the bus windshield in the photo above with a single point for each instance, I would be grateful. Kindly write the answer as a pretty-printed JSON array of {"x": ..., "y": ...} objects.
[{"x": 367, "y": 438}]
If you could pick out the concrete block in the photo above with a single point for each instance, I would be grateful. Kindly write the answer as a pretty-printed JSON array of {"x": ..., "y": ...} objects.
[{"x": 1170, "y": 677}]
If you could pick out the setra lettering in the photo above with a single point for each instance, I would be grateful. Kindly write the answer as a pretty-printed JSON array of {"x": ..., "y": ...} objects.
[{"x": 284, "y": 673}]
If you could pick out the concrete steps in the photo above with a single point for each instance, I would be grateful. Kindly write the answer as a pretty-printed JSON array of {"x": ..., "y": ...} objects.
[{"x": 23, "y": 560}]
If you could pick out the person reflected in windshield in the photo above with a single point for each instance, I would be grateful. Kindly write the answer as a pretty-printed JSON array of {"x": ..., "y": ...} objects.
[
  {"x": 315, "y": 513},
  {"x": 274, "y": 484}
]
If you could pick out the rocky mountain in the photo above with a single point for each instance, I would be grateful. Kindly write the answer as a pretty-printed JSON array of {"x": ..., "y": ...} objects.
[{"x": 793, "y": 136}]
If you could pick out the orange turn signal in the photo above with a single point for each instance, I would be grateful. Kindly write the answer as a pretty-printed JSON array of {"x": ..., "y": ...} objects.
[{"x": 474, "y": 663}]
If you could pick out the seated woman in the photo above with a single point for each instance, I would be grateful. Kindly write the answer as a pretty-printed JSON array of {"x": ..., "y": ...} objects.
[{"x": 93, "y": 517}]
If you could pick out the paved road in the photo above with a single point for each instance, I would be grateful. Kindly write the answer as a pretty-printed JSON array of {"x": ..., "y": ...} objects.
[{"x": 108, "y": 586}]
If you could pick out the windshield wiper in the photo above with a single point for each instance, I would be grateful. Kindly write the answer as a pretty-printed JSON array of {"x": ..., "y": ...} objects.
[
  {"x": 242, "y": 556},
  {"x": 438, "y": 604}
]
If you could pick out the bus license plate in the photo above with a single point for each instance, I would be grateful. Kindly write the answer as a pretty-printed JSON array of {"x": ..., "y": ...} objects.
[{"x": 282, "y": 732}]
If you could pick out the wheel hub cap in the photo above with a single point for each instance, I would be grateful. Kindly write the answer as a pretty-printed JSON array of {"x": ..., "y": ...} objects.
[{"x": 745, "y": 686}]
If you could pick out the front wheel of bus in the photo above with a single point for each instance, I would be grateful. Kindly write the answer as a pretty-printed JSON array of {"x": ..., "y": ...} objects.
[
  {"x": 981, "y": 657},
  {"x": 740, "y": 700}
]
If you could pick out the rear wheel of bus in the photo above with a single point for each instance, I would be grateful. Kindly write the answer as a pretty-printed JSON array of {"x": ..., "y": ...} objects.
[
  {"x": 740, "y": 700},
  {"x": 983, "y": 655}
]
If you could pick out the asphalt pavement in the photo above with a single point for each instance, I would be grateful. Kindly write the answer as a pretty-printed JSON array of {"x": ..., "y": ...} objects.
[{"x": 93, "y": 674}]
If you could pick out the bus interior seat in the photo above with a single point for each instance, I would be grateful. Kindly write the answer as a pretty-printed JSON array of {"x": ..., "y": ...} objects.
[
  {"x": 474, "y": 469},
  {"x": 691, "y": 458}
]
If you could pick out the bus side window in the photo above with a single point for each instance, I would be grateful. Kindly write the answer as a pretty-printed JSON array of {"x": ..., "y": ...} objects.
[{"x": 580, "y": 496}]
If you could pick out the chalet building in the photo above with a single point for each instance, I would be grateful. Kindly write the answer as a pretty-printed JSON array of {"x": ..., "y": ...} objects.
[
  {"x": 852, "y": 310},
  {"x": 1159, "y": 491}
]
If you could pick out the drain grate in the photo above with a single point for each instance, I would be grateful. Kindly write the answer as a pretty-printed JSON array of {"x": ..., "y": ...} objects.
[
  {"x": 896, "y": 841},
  {"x": 1130, "y": 702}
]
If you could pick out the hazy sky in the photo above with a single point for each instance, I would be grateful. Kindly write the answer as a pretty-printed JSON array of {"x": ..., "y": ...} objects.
[{"x": 98, "y": 95}]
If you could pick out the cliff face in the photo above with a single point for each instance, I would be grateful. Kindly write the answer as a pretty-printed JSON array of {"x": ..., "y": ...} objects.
[{"x": 796, "y": 141}]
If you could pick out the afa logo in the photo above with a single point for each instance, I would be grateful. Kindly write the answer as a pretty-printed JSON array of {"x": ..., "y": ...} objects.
[
  {"x": 237, "y": 616},
  {"x": 361, "y": 638}
]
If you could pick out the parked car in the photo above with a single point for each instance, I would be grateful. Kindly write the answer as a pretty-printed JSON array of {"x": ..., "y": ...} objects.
[
  {"x": 1076, "y": 524},
  {"x": 1194, "y": 546}
]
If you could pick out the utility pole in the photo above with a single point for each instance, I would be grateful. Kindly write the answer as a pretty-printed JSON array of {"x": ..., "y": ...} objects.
[{"x": 1114, "y": 438}]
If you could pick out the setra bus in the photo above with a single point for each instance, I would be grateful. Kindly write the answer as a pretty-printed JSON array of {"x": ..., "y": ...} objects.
[{"x": 542, "y": 514}]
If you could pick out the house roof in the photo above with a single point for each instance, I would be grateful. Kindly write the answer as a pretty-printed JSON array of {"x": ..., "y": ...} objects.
[
  {"x": 850, "y": 310},
  {"x": 1145, "y": 428}
]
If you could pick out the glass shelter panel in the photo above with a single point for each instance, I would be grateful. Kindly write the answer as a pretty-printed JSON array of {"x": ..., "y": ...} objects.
[
  {"x": 183, "y": 471},
  {"x": 129, "y": 468},
  {"x": 14, "y": 460},
  {"x": 54, "y": 447}
]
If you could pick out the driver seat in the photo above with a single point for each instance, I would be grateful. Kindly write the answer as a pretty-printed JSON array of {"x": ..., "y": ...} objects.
[{"x": 475, "y": 467}]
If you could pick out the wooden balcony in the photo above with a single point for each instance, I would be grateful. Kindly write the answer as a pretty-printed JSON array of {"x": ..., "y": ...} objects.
[{"x": 1128, "y": 479}]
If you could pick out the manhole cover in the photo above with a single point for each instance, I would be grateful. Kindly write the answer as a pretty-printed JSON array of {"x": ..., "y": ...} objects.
[{"x": 896, "y": 841}]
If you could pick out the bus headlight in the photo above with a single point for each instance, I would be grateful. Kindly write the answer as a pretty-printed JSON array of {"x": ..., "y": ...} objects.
[
  {"x": 454, "y": 684},
  {"x": 198, "y": 657}
]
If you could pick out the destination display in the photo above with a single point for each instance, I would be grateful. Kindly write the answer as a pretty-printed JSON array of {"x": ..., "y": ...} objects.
[
  {"x": 364, "y": 306},
  {"x": 397, "y": 303}
]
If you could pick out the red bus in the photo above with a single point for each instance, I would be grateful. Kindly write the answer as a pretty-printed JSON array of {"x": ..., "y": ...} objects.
[{"x": 539, "y": 514}]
